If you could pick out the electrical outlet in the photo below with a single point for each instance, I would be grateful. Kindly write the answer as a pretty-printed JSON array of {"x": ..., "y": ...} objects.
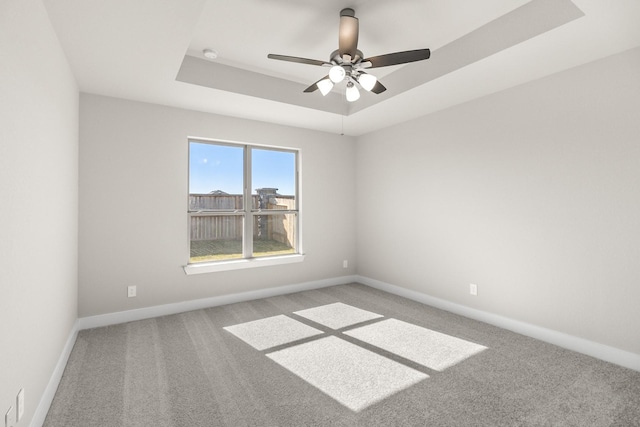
[
  {"x": 473, "y": 289},
  {"x": 345, "y": 264},
  {"x": 10, "y": 418},
  {"x": 132, "y": 291},
  {"x": 20, "y": 405}
]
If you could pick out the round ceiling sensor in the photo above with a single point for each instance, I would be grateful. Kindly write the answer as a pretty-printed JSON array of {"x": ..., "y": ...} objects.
[{"x": 210, "y": 53}]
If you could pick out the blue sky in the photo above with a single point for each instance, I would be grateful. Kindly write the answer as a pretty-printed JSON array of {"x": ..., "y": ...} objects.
[{"x": 219, "y": 167}]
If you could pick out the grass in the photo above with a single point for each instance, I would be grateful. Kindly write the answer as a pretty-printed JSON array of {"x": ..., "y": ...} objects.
[{"x": 217, "y": 250}]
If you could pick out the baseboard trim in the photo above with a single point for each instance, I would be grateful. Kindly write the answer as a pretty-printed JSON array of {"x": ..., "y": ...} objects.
[
  {"x": 580, "y": 345},
  {"x": 590, "y": 348},
  {"x": 181, "y": 307},
  {"x": 161, "y": 310},
  {"x": 50, "y": 391}
]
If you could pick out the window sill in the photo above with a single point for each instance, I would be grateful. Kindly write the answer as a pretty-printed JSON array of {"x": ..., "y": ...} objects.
[{"x": 239, "y": 264}]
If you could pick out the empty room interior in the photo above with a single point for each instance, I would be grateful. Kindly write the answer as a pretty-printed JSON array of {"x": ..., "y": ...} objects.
[{"x": 421, "y": 212}]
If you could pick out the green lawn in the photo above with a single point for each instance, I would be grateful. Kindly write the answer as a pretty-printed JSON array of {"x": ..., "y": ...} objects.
[{"x": 216, "y": 250}]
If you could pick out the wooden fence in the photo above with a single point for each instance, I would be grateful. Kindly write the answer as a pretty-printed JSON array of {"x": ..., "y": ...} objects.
[{"x": 279, "y": 227}]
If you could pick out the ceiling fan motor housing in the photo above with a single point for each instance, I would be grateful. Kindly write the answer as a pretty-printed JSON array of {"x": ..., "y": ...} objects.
[
  {"x": 337, "y": 59},
  {"x": 348, "y": 34}
]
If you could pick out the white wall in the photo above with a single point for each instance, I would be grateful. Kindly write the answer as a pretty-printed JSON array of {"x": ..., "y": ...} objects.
[
  {"x": 531, "y": 193},
  {"x": 38, "y": 202},
  {"x": 133, "y": 205}
]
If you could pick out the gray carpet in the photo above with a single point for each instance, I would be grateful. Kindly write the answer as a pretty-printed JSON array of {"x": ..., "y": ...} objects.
[{"x": 375, "y": 359}]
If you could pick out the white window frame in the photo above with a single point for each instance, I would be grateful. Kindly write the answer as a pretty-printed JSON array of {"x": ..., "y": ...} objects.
[{"x": 248, "y": 212}]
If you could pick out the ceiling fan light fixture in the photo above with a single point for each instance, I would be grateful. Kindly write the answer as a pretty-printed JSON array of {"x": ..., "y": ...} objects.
[
  {"x": 325, "y": 86},
  {"x": 367, "y": 81},
  {"x": 337, "y": 74},
  {"x": 352, "y": 93},
  {"x": 348, "y": 63}
]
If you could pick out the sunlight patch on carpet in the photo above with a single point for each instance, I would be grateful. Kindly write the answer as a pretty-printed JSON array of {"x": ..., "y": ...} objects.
[
  {"x": 272, "y": 331},
  {"x": 428, "y": 348},
  {"x": 352, "y": 375},
  {"x": 337, "y": 315}
]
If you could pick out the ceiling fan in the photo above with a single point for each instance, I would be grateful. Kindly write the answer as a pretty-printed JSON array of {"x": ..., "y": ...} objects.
[{"x": 348, "y": 63}]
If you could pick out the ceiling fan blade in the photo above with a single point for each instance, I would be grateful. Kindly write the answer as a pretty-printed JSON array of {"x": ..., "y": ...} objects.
[
  {"x": 314, "y": 86},
  {"x": 348, "y": 33},
  {"x": 398, "y": 58},
  {"x": 298, "y": 59},
  {"x": 378, "y": 88}
]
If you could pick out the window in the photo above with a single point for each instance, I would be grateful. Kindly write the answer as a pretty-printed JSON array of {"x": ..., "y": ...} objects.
[{"x": 243, "y": 202}]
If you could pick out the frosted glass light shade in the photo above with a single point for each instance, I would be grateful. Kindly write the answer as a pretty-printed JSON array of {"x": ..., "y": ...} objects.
[
  {"x": 353, "y": 94},
  {"x": 325, "y": 86},
  {"x": 337, "y": 74},
  {"x": 367, "y": 81}
]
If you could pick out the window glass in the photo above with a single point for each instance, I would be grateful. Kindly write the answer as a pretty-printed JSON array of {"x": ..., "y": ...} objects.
[
  {"x": 221, "y": 225},
  {"x": 273, "y": 179},
  {"x": 215, "y": 237},
  {"x": 274, "y": 234},
  {"x": 215, "y": 177}
]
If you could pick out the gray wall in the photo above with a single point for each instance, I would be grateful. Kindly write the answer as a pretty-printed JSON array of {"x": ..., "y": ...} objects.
[
  {"x": 531, "y": 193},
  {"x": 133, "y": 205},
  {"x": 38, "y": 202}
]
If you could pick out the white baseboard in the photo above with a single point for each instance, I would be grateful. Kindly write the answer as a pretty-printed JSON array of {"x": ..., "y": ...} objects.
[
  {"x": 50, "y": 391},
  {"x": 590, "y": 348},
  {"x": 580, "y": 345},
  {"x": 161, "y": 310},
  {"x": 181, "y": 307}
]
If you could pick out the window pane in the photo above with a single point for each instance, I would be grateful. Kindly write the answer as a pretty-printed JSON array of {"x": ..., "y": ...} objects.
[
  {"x": 215, "y": 177},
  {"x": 215, "y": 238},
  {"x": 221, "y": 203},
  {"x": 215, "y": 202},
  {"x": 273, "y": 176},
  {"x": 274, "y": 234}
]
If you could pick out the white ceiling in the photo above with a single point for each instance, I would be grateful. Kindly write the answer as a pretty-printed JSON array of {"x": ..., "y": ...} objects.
[{"x": 150, "y": 50}]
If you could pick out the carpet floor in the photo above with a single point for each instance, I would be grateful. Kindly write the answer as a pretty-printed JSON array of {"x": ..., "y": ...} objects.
[{"x": 345, "y": 355}]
